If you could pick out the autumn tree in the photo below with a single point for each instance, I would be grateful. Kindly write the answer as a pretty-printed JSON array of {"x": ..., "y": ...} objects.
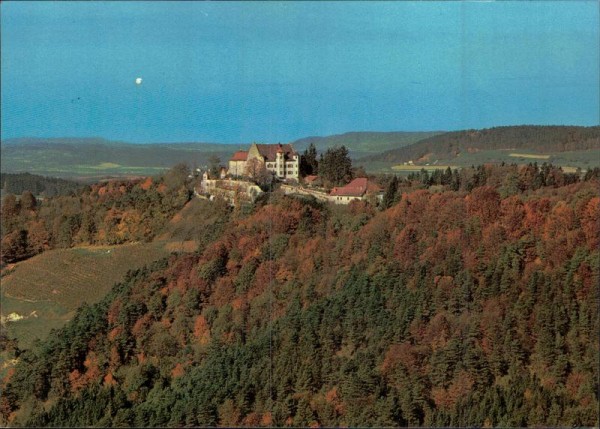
[
  {"x": 28, "y": 201},
  {"x": 257, "y": 170},
  {"x": 15, "y": 246}
]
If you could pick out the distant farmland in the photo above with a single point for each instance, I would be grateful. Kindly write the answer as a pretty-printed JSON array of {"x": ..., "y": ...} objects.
[{"x": 569, "y": 161}]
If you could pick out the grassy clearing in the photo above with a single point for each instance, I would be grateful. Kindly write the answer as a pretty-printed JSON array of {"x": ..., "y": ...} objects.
[
  {"x": 411, "y": 168},
  {"x": 46, "y": 289},
  {"x": 105, "y": 165},
  {"x": 39, "y": 318},
  {"x": 529, "y": 156},
  {"x": 87, "y": 171}
]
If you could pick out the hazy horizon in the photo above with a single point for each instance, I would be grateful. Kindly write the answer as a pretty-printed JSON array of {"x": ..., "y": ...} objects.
[
  {"x": 281, "y": 71},
  {"x": 118, "y": 140}
]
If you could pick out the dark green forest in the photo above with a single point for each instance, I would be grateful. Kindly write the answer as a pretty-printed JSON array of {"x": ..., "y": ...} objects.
[
  {"x": 541, "y": 139},
  {"x": 17, "y": 183},
  {"x": 464, "y": 298}
]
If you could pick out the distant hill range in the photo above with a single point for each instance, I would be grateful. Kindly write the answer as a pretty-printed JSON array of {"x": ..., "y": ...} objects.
[
  {"x": 451, "y": 145},
  {"x": 365, "y": 143},
  {"x": 98, "y": 158},
  {"x": 95, "y": 158}
]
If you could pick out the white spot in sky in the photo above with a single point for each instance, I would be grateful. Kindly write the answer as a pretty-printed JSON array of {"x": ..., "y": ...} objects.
[{"x": 138, "y": 80}]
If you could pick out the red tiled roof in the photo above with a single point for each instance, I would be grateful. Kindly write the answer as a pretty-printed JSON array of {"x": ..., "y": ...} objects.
[
  {"x": 240, "y": 155},
  {"x": 357, "y": 188},
  {"x": 269, "y": 151},
  {"x": 373, "y": 187},
  {"x": 310, "y": 179}
]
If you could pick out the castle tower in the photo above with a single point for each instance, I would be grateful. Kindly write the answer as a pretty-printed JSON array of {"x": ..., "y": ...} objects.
[{"x": 280, "y": 162}]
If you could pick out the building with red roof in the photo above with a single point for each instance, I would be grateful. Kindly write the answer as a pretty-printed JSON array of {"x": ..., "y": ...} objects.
[
  {"x": 237, "y": 163},
  {"x": 311, "y": 180},
  {"x": 358, "y": 189}
]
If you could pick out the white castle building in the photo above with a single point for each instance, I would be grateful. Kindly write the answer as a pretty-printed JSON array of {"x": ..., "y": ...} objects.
[{"x": 281, "y": 160}]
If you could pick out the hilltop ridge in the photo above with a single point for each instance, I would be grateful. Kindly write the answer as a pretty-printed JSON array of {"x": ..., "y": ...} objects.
[{"x": 537, "y": 138}]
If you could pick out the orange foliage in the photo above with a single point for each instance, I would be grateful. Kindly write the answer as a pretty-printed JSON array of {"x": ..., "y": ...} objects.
[
  {"x": 8, "y": 376},
  {"x": 141, "y": 325},
  {"x": 588, "y": 279},
  {"x": 491, "y": 237},
  {"x": 252, "y": 419},
  {"x": 460, "y": 387},
  {"x": 559, "y": 234},
  {"x": 178, "y": 371},
  {"x": 405, "y": 247},
  {"x": 590, "y": 223},
  {"x": 267, "y": 419},
  {"x": 398, "y": 353},
  {"x": 224, "y": 291},
  {"x": 333, "y": 397},
  {"x": 92, "y": 369},
  {"x": 283, "y": 274},
  {"x": 201, "y": 330},
  {"x": 115, "y": 357},
  {"x": 113, "y": 312},
  {"x": 437, "y": 332},
  {"x": 484, "y": 202},
  {"x": 264, "y": 276},
  {"x": 238, "y": 303},
  {"x": 114, "y": 333},
  {"x": 513, "y": 213},
  {"x": 535, "y": 214},
  {"x": 76, "y": 380},
  {"x": 574, "y": 381},
  {"x": 147, "y": 184},
  {"x": 109, "y": 380}
]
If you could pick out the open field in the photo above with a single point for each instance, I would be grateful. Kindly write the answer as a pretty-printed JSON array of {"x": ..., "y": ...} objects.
[
  {"x": 529, "y": 156},
  {"x": 100, "y": 170},
  {"x": 411, "y": 168},
  {"x": 46, "y": 289}
]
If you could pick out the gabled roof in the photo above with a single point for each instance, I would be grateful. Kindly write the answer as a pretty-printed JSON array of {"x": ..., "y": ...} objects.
[
  {"x": 357, "y": 188},
  {"x": 269, "y": 151},
  {"x": 240, "y": 155},
  {"x": 310, "y": 179}
]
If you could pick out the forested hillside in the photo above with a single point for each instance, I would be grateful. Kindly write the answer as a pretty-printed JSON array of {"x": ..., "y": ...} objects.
[
  {"x": 540, "y": 139},
  {"x": 113, "y": 212},
  {"x": 38, "y": 185},
  {"x": 471, "y": 302}
]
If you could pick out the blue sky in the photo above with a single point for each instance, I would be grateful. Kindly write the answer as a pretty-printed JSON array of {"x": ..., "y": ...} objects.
[{"x": 277, "y": 71}]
